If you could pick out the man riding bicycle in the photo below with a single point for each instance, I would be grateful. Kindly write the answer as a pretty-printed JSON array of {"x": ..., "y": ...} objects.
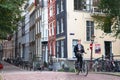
[{"x": 79, "y": 50}]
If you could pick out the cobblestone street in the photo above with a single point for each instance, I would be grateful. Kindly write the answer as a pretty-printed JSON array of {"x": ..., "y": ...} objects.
[
  {"x": 55, "y": 76},
  {"x": 11, "y": 72}
]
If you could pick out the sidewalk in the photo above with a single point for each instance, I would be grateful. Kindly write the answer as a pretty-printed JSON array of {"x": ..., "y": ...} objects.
[{"x": 109, "y": 73}]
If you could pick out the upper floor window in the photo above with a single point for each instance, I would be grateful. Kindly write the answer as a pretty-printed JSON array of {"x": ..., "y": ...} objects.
[
  {"x": 61, "y": 5},
  {"x": 49, "y": 30},
  {"x": 50, "y": 1},
  {"x": 96, "y": 2},
  {"x": 85, "y": 5},
  {"x": 52, "y": 29},
  {"x": 62, "y": 28},
  {"x": 58, "y": 27},
  {"x": 77, "y": 4},
  {"x": 107, "y": 29},
  {"x": 89, "y": 30},
  {"x": 58, "y": 8},
  {"x": 57, "y": 46},
  {"x": 51, "y": 11}
]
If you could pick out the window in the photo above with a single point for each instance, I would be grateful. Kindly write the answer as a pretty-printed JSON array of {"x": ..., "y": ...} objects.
[
  {"x": 50, "y": 49},
  {"x": 77, "y": 4},
  {"x": 58, "y": 8},
  {"x": 49, "y": 30},
  {"x": 36, "y": 28},
  {"x": 57, "y": 45},
  {"x": 46, "y": 33},
  {"x": 107, "y": 29},
  {"x": 85, "y": 5},
  {"x": 89, "y": 30},
  {"x": 52, "y": 29},
  {"x": 96, "y": 2},
  {"x": 74, "y": 42},
  {"x": 62, "y": 49},
  {"x": 62, "y": 30},
  {"x": 51, "y": 11},
  {"x": 58, "y": 27},
  {"x": 61, "y": 5},
  {"x": 50, "y": 1}
]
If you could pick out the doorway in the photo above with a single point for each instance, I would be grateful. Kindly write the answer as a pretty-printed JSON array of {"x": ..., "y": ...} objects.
[{"x": 108, "y": 49}]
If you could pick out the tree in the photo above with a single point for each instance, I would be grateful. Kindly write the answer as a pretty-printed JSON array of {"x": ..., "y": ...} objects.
[
  {"x": 109, "y": 21},
  {"x": 10, "y": 14}
]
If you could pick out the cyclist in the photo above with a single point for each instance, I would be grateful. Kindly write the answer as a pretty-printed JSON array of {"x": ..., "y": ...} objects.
[{"x": 79, "y": 50}]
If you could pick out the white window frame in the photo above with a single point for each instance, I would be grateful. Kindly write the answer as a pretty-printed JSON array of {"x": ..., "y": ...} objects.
[{"x": 89, "y": 27}]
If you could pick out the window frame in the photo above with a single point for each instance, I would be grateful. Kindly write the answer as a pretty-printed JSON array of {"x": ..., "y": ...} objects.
[{"x": 89, "y": 29}]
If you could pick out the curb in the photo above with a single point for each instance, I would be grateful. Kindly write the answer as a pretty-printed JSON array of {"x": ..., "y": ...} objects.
[{"x": 109, "y": 73}]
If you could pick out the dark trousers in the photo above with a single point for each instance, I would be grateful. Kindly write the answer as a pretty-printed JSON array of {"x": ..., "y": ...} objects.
[{"x": 80, "y": 59}]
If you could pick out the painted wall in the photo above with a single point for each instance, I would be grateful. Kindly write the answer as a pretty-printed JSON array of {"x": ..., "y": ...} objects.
[{"x": 76, "y": 23}]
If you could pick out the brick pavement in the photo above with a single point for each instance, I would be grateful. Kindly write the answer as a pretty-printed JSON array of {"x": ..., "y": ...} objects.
[
  {"x": 11, "y": 72},
  {"x": 54, "y": 76}
]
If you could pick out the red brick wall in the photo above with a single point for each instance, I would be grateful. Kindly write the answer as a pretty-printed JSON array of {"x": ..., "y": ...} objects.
[{"x": 52, "y": 19}]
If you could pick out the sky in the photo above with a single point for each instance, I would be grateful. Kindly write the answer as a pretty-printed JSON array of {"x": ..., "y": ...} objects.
[{"x": 30, "y": 1}]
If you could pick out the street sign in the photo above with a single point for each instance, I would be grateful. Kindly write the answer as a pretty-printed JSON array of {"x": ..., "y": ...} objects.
[{"x": 91, "y": 46}]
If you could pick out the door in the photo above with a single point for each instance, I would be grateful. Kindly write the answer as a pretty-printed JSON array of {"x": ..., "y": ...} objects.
[{"x": 108, "y": 49}]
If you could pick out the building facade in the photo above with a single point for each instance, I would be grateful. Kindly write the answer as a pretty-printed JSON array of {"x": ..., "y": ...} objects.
[
  {"x": 61, "y": 29},
  {"x": 8, "y": 49},
  {"x": 44, "y": 30},
  {"x": 52, "y": 27},
  {"x": 72, "y": 21},
  {"x": 38, "y": 22},
  {"x": 32, "y": 46},
  {"x": 80, "y": 25}
]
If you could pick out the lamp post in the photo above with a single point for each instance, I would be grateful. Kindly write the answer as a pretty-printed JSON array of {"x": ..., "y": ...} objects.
[{"x": 91, "y": 47}]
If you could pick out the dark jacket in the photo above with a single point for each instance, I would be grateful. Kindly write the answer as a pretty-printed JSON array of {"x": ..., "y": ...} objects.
[{"x": 76, "y": 50}]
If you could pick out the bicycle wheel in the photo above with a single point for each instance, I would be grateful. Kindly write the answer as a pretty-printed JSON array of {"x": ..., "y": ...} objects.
[
  {"x": 84, "y": 70},
  {"x": 76, "y": 68}
]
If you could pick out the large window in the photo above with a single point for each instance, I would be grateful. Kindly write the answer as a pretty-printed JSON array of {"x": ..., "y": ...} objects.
[
  {"x": 74, "y": 42},
  {"x": 89, "y": 30}
]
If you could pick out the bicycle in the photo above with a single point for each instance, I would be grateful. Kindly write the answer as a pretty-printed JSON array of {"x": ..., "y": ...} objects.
[{"x": 83, "y": 70}]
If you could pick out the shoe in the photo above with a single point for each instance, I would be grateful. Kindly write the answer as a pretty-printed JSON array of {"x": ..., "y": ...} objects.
[{"x": 77, "y": 73}]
